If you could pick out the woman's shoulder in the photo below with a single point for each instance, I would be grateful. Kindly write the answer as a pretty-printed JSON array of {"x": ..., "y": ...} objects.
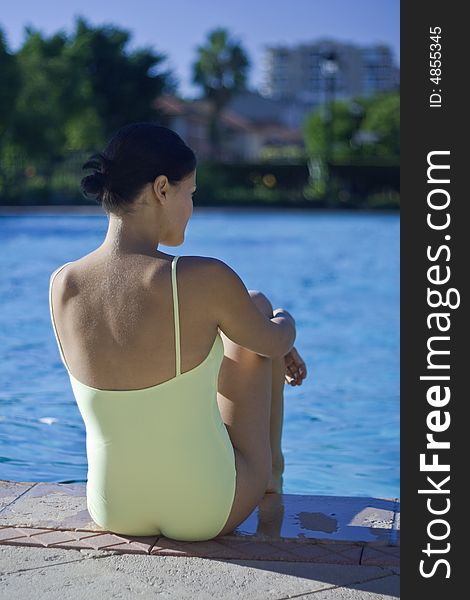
[
  {"x": 212, "y": 276},
  {"x": 192, "y": 267},
  {"x": 205, "y": 267},
  {"x": 70, "y": 271},
  {"x": 198, "y": 261},
  {"x": 62, "y": 276}
]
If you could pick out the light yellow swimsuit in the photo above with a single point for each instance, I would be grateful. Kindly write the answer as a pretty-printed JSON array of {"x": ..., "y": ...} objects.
[{"x": 160, "y": 460}]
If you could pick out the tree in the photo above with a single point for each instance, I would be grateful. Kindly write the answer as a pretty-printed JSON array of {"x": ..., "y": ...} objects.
[
  {"x": 221, "y": 71},
  {"x": 41, "y": 103},
  {"x": 364, "y": 128},
  {"x": 75, "y": 91},
  {"x": 116, "y": 86},
  {"x": 9, "y": 85},
  {"x": 383, "y": 120},
  {"x": 344, "y": 127}
]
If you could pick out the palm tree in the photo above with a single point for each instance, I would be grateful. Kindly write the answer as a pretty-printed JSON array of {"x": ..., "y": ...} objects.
[{"x": 220, "y": 69}]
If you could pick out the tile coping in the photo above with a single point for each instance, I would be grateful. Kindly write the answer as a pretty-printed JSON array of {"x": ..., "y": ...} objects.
[{"x": 289, "y": 527}]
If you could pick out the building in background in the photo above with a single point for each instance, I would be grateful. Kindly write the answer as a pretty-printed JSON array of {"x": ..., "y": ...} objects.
[
  {"x": 251, "y": 126},
  {"x": 294, "y": 75}
]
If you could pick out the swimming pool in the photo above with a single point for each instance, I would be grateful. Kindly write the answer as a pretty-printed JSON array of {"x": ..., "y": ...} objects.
[{"x": 337, "y": 272}]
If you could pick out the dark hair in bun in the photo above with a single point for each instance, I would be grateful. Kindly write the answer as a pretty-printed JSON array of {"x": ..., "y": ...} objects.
[
  {"x": 94, "y": 184},
  {"x": 135, "y": 156}
]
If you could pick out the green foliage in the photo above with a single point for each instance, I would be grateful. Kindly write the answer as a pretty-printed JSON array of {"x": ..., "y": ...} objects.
[
  {"x": 41, "y": 104},
  {"x": 365, "y": 129},
  {"x": 9, "y": 85},
  {"x": 62, "y": 93},
  {"x": 383, "y": 118},
  {"x": 116, "y": 86}
]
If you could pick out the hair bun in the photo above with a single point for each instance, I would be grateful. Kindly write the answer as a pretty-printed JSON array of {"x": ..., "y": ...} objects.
[{"x": 96, "y": 183}]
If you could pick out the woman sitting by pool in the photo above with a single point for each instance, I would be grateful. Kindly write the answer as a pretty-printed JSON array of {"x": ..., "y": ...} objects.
[{"x": 178, "y": 369}]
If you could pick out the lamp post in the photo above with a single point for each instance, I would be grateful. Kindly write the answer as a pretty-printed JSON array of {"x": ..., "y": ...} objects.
[
  {"x": 329, "y": 68},
  {"x": 357, "y": 112}
]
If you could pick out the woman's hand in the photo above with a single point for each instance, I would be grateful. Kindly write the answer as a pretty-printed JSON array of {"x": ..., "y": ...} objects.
[{"x": 296, "y": 371}]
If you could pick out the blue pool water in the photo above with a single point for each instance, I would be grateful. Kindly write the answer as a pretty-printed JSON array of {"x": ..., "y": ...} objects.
[{"x": 337, "y": 273}]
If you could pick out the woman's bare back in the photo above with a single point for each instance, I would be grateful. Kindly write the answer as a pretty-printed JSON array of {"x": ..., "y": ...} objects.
[{"x": 114, "y": 318}]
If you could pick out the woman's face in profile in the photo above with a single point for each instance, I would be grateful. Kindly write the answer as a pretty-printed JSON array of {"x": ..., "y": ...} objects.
[
  {"x": 187, "y": 189},
  {"x": 182, "y": 202},
  {"x": 177, "y": 206}
]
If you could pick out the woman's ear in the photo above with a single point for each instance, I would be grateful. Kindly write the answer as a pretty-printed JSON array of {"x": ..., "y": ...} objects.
[{"x": 160, "y": 188}]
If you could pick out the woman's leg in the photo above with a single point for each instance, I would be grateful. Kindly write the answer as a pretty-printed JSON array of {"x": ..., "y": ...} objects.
[
  {"x": 277, "y": 417},
  {"x": 245, "y": 397},
  {"x": 278, "y": 369}
]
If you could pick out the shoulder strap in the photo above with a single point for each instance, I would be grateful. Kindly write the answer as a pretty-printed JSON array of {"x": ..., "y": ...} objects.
[
  {"x": 176, "y": 315},
  {"x": 52, "y": 313}
]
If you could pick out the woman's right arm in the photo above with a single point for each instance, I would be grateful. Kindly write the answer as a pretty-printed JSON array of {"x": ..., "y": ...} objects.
[{"x": 241, "y": 320}]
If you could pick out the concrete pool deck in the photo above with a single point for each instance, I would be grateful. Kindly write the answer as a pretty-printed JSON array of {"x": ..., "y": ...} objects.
[{"x": 330, "y": 546}]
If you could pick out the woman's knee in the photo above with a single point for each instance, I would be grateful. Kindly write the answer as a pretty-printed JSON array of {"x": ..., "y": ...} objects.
[{"x": 262, "y": 302}]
